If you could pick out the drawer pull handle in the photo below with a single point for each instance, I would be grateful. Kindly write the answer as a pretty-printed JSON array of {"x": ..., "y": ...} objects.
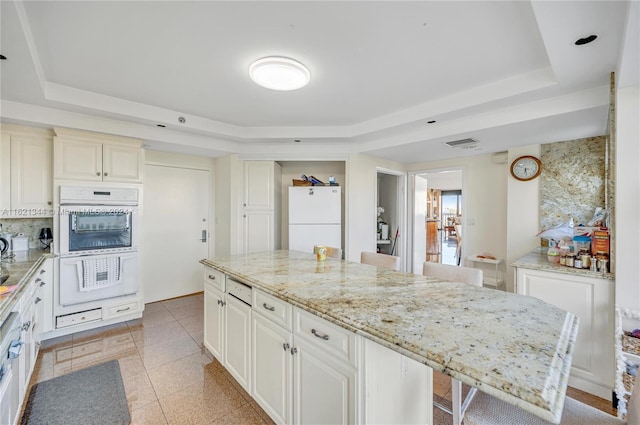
[
  {"x": 26, "y": 326},
  {"x": 123, "y": 309},
  {"x": 43, "y": 283},
  {"x": 42, "y": 271},
  {"x": 268, "y": 307},
  {"x": 319, "y": 335},
  {"x": 38, "y": 299},
  {"x": 212, "y": 277},
  {"x": 286, "y": 346},
  {"x": 38, "y": 280}
]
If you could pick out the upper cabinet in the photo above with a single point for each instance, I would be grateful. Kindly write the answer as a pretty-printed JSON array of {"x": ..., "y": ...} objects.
[
  {"x": 26, "y": 180},
  {"x": 97, "y": 157}
]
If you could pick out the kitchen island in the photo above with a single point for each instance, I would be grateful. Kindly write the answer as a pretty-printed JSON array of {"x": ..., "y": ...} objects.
[{"x": 513, "y": 347}]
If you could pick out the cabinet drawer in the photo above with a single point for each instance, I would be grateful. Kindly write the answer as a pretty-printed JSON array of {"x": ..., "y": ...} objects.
[
  {"x": 275, "y": 309},
  {"x": 120, "y": 310},
  {"x": 76, "y": 318},
  {"x": 214, "y": 278},
  {"x": 328, "y": 337}
]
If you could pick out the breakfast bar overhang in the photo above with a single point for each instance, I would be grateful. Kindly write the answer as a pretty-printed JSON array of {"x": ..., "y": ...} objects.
[{"x": 516, "y": 348}]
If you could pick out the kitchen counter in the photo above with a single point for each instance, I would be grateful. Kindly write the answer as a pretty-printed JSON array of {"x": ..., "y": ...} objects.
[
  {"x": 537, "y": 260},
  {"x": 20, "y": 269},
  {"x": 513, "y": 347}
]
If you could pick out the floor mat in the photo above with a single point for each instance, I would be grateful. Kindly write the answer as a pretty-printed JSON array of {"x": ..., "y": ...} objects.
[{"x": 94, "y": 395}]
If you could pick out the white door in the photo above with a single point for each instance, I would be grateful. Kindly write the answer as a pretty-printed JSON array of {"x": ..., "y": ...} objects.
[
  {"x": 175, "y": 213},
  {"x": 419, "y": 222},
  {"x": 258, "y": 231}
]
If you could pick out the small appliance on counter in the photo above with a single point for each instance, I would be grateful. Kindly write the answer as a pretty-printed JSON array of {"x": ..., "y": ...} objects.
[{"x": 20, "y": 242}]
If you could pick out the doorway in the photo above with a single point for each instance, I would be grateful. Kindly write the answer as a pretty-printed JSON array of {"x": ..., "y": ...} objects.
[
  {"x": 438, "y": 207},
  {"x": 390, "y": 202}
]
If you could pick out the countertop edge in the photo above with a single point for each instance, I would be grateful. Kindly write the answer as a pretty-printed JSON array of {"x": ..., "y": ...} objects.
[{"x": 556, "y": 401}]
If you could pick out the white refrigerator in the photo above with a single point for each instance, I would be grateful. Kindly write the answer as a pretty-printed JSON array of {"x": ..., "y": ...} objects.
[{"x": 314, "y": 217}]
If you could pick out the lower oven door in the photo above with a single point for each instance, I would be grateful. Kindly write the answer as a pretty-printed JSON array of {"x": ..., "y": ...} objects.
[{"x": 97, "y": 277}]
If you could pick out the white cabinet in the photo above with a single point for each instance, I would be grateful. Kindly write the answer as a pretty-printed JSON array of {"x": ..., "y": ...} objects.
[
  {"x": 97, "y": 157},
  {"x": 307, "y": 375},
  {"x": 214, "y": 313},
  {"x": 237, "y": 340},
  {"x": 591, "y": 299},
  {"x": 272, "y": 368},
  {"x": 261, "y": 199},
  {"x": 26, "y": 179}
]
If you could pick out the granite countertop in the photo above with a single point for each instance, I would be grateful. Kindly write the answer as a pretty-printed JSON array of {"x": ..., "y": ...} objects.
[
  {"x": 20, "y": 269},
  {"x": 537, "y": 260},
  {"x": 514, "y": 347}
]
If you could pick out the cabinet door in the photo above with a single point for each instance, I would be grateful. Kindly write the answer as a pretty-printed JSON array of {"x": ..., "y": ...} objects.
[
  {"x": 271, "y": 368},
  {"x": 237, "y": 340},
  {"x": 31, "y": 174},
  {"x": 592, "y": 301},
  {"x": 79, "y": 159},
  {"x": 122, "y": 163},
  {"x": 258, "y": 231},
  {"x": 324, "y": 390},
  {"x": 259, "y": 185},
  {"x": 214, "y": 322}
]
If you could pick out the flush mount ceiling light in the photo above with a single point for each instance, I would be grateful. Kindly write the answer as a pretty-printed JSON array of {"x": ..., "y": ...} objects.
[{"x": 279, "y": 73}]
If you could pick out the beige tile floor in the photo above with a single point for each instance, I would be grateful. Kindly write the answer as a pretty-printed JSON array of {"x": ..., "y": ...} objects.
[{"x": 170, "y": 378}]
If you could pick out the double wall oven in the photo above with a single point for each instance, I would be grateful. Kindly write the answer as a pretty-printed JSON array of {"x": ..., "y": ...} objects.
[{"x": 99, "y": 238}]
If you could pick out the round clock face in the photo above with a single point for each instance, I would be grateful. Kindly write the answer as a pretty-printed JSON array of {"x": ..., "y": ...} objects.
[{"x": 526, "y": 168}]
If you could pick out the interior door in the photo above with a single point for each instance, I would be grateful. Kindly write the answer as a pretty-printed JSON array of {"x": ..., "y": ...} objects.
[
  {"x": 175, "y": 213},
  {"x": 419, "y": 221}
]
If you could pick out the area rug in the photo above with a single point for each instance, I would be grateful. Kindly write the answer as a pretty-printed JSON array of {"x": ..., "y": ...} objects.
[{"x": 94, "y": 395}]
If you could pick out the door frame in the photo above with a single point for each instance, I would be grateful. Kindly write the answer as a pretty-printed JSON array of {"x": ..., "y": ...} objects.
[
  {"x": 401, "y": 205},
  {"x": 411, "y": 217}
]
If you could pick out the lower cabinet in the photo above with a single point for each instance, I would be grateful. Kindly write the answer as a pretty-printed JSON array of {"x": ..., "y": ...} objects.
[
  {"x": 303, "y": 369},
  {"x": 592, "y": 300},
  {"x": 237, "y": 340}
]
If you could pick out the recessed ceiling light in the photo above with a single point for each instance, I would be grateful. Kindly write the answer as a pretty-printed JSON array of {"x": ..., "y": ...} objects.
[
  {"x": 3, "y": 57},
  {"x": 279, "y": 73},
  {"x": 586, "y": 40},
  {"x": 161, "y": 125},
  {"x": 431, "y": 121}
]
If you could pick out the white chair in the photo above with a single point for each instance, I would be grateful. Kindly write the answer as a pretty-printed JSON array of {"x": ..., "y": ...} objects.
[
  {"x": 380, "y": 260},
  {"x": 469, "y": 276},
  {"x": 331, "y": 251},
  {"x": 485, "y": 409},
  {"x": 462, "y": 274}
]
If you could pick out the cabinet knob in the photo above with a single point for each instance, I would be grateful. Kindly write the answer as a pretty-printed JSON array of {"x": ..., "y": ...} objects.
[
  {"x": 293, "y": 350},
  {"x": 43, "y": 283},
  {"x": 42, "y": 271},
  {"x": 49, "y": 202},
  {"x": 98, "y": 173},
  {"x": 106, "y": 174},
  {"x": 212, "y": 277},
  {"x": 37, "y": 300},
  {"x": 319, "y": 335},
  {"x": 38, "y": 280},
  {"x": 285, "y": 346}
]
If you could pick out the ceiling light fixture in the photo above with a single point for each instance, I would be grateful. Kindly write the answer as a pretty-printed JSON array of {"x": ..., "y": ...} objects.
[
  {"x": 279, "y": 73},
  {"x": 586, "y": 40}
]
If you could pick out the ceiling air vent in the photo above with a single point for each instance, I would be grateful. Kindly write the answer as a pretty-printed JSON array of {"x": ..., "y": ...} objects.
[{"x": 463, "y": 143}]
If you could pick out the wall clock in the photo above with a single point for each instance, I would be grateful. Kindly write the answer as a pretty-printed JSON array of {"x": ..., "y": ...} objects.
[{"x": 526, "y": 168}]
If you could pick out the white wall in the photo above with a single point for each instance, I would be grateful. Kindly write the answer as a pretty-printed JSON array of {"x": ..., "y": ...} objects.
[
  {"x": 627, "y": 266},
  {"x": 523, "y": 208}
]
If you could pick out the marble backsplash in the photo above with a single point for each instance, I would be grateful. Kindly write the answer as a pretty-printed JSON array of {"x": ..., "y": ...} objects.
[
  {"x": 29, "y": 226},
  {"x": 573, "y": 181}
]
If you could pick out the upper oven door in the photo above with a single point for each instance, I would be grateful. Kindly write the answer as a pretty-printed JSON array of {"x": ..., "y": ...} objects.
[{"x": 98, "y": 229}]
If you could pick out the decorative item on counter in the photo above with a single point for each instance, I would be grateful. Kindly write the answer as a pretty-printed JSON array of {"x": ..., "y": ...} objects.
[
  {"x": 20, "y": 242},
  {"x": 553, "y": 255},
  {"x": 600, "y": 242},
  {"x": 45, "y": 237},
  {"x": 570, "y": 260},
  {"x": 380, "y": 222},
  {"x": 332, "y": 181},
  {"x": 559, "y": 233},
  {"x": 321, "y": 252}
]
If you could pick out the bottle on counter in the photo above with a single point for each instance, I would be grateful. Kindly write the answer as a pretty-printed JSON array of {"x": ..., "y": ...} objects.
[{"x": 570, "y": 260}]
